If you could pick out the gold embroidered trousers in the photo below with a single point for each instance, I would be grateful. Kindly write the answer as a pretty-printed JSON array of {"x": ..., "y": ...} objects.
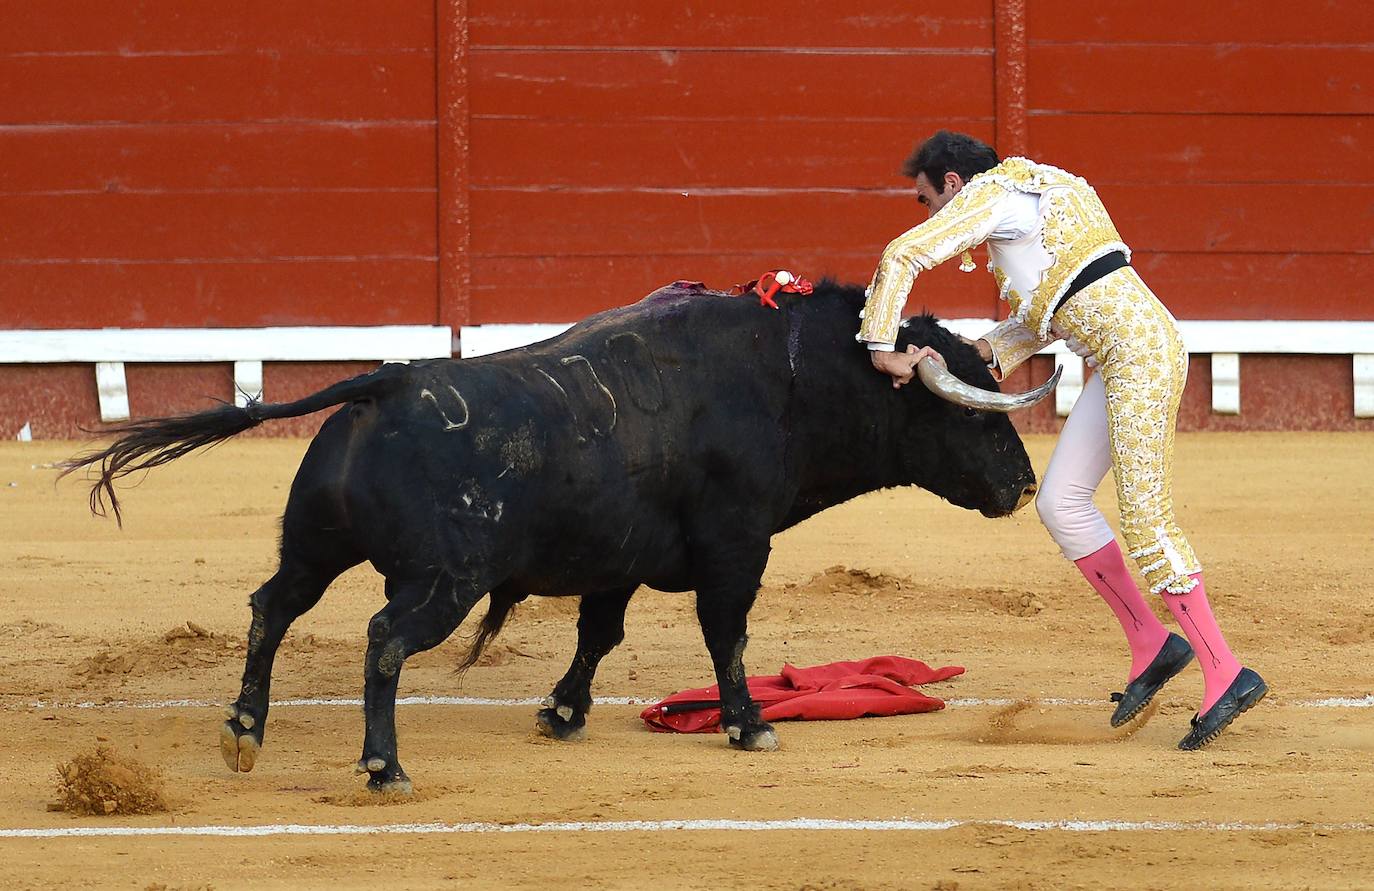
[{"x": 1143, "y": 366}]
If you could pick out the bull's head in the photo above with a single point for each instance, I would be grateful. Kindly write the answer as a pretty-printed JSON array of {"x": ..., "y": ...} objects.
[{"x": 959, "y": 442}]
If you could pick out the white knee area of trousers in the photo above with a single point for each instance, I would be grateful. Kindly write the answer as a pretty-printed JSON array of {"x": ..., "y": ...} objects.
[
  {"x": 1073, "y": 521},
  {"x": 1080, "y": 461}
]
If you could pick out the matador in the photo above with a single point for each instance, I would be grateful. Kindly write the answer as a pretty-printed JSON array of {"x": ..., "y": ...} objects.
[{"x": 1065, "y": 274}]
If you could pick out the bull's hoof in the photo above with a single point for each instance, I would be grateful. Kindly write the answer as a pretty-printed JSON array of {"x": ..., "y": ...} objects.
[
  {"x": 240, "y": 740},
  {"x": 383, "y": 778},
  {"x": 396, "y": 786},
  {"x": 561, "y": 723},
  {"x": 759, "y": 739}
]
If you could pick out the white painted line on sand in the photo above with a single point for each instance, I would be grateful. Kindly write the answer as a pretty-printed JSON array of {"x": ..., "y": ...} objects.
[
  {"x": 1366, "y": 701},
  {"x": 42, "y": 705},
  {"x": 803, "y": 824},
  {"x": 337, "y": 701}
]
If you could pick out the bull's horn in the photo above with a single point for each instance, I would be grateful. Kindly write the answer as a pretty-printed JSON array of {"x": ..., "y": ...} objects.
[{"x": 945, "y": 385}]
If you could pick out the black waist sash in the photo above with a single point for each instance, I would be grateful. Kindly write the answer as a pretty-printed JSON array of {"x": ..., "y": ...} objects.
[{"x": 1099, "y": 268}]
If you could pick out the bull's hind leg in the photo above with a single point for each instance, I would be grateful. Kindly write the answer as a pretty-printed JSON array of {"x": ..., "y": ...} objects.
[
  {"x": 421, "y": 614},
  {"x": 600, "y": 629},
  {"x": 294, "y": 589}
]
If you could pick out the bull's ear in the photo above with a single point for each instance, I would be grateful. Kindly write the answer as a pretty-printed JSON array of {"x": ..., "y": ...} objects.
[{"x": 910, "y": 333}]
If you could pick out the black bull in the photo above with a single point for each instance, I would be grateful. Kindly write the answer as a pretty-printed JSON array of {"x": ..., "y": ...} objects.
[{"x": 658, "y": 444}]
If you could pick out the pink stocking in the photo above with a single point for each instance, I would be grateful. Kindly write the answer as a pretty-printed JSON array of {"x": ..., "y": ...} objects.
[
  {"x": 1194, "y": 615},
  {"x": 1106, "y": 571}
]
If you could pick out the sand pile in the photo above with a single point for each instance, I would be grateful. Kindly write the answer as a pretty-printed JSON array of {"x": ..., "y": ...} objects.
[
  {"x": 185, "y": 646},
  {"x": 849, "y": 583},
  {"x": 1021, "y": 604},
  {"x": 502, "y": 654}
]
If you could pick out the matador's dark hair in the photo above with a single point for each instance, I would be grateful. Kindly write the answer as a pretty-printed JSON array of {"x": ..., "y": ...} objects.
[{"x": 947, "y": 151}]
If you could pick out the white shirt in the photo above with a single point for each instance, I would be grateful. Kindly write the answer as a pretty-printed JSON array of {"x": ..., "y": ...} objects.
[{"x": 1018, "y": 215}]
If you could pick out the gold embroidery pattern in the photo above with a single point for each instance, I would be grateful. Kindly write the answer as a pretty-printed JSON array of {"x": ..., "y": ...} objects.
[
  {"x": 1005, "y": 291},
  {"x": 1012, "y": 344},
  {"x": 1144, "y": 367},
  {"x": 961, "y": 224},
  {"x": 1076, "y": 230}
]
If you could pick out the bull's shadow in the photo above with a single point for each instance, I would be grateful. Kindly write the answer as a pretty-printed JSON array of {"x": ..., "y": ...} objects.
[{"x": 659, "y": 444}]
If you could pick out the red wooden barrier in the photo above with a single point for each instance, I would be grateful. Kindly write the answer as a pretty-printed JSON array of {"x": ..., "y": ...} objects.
[
  {"x": 378, "y": 155},
  {"x": 467, "y": 161},
  {"x": 167, "y": 163},
  {"x": 798, "y": 25}
]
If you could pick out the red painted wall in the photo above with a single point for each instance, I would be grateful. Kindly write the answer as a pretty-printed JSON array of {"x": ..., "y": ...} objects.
[
  {"x": 166, "y": 163},
  {"x": 613, "y": 153},
  {"x": 1232, "y": 141}
]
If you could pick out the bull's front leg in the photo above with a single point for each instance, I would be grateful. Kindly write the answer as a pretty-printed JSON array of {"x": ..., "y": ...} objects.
[
  {"x": 600, "y": 629},
  {"x": 728, "y": 582}
]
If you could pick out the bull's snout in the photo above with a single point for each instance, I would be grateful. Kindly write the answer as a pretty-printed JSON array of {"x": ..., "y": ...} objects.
[{"x": 1009, "y": 501}]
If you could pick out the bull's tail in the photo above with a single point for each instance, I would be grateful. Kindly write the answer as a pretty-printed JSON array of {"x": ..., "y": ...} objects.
[
  {"x": 500, "y": 604},
  {"x": 152, "y": 442}
]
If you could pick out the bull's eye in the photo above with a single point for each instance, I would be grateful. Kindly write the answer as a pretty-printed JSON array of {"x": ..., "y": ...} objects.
[{"x": 970, "y": 412}]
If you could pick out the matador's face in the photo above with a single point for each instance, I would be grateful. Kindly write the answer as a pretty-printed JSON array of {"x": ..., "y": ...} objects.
[{"x": 933, "y": 200}]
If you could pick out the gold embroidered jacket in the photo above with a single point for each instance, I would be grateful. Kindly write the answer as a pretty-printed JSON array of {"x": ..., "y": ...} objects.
[{"x": 1033, "y": 270}]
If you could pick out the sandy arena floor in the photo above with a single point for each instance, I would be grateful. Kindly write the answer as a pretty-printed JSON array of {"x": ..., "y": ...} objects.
[{"x": 90, "y": 614}]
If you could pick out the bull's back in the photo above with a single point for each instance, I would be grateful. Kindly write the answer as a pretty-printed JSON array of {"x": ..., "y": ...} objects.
[{"x": 572, "y": 460}]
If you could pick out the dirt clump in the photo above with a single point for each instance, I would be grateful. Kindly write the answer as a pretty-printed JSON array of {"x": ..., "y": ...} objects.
[
  {"x": 1357, "y": 631},
  {"x": 502, "y": 654},
  {"x": 184, "y": 646},
  {"x": 850, "y": 583},
  {"x": 26, "y": 628},
  {"x": 1026, "y": 721},
  {"x": 105, "y": 782},
  {"x": 1014, "y": 603}
]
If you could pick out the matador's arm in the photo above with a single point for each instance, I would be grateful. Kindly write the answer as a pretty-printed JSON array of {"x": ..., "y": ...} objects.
[
  {"x": 1012, "y": 343},
  {"x": 967, "y": 220}
]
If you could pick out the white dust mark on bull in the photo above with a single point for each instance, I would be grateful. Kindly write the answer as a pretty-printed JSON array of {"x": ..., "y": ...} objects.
[
  {"x": 615, "y": 413},
  {"x": 430, "y": 596},
  {"x": 735, "y": 672},
  {"x": 628, "y": 532},
  {"x": 519, "y": 451},
  {"x": 449, "y": 424},
  {"x": 559, "y": 387},
  {"x": 561, "y": 392},
  {"x": 477, "y": 505}
]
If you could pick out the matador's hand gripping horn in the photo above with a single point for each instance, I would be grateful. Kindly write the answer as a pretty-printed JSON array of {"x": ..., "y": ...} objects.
[{"x": 945, "y": 385}]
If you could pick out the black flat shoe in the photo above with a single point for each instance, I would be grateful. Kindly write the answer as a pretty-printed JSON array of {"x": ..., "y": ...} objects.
[
  {"x": 1169, "y": 661},
  {"x": 1245, "y": 691}
]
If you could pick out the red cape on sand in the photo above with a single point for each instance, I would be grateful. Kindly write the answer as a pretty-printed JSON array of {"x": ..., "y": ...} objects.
[{"x": 870, "y": 687}]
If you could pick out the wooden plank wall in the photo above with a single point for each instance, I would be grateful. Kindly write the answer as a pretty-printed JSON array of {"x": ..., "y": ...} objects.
[
  {"x": 175, "y": 163},
  {"x": 167, "y": 163},
  {"x": 651, "y": 142},
  {"x": 1232, "y": 141}
]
